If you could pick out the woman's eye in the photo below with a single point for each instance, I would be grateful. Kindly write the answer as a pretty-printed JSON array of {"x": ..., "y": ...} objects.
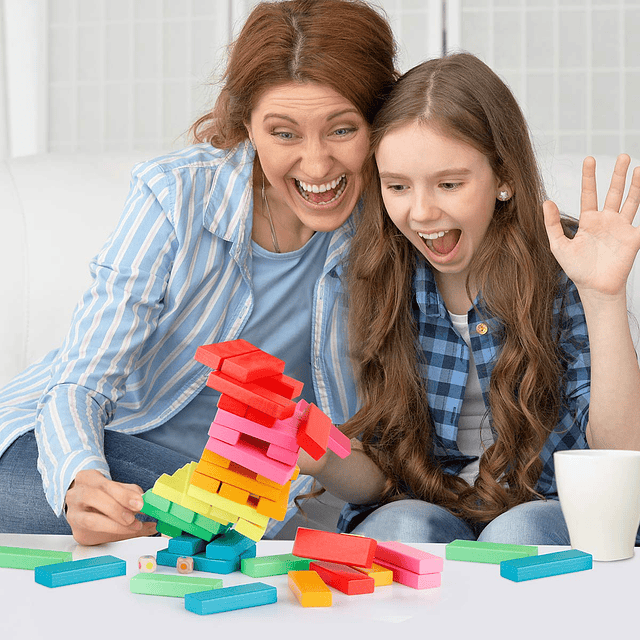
[
  {"x": 283, "y": 135},
  {"x": 449, "y": 186},
  {"x": 343, "y": 131}
]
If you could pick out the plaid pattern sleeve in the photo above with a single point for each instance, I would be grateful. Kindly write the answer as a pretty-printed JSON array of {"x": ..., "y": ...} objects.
[{"x": 444, "y": 365}]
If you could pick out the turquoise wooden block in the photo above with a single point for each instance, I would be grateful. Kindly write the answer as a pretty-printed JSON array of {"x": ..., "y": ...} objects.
[
  {"x": 200, "y": 562},
  {"x": 65, "y": 573},
  {"x": 186, "y": 545},
  {"x": 548, "y": 564},
  {"x": 229, "y": 546},
  {"x": 241, "y": 596}
]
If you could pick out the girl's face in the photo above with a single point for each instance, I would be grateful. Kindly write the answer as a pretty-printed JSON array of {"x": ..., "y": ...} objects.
[
  {"x": 441, "y": 193},
  {"x": 312, "y": 143}
]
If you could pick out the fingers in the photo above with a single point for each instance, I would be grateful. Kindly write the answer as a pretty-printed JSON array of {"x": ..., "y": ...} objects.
[
  {"x": 618, "y": 179},
  {"x": 589, "y": 193},
  {"x": 555, "y": 232},
  {"x": 632, "y": 201}
]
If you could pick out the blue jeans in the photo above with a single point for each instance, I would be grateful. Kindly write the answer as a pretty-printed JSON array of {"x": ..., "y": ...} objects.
[
  {"x": 23, "y": 506},
  {"x": 539, "y": 522}
]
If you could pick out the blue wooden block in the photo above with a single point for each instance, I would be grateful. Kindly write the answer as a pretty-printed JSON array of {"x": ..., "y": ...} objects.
[
  {"x": 200, "y": 562},
  {"x": 241, "y": 596},
  {"x": 186, "y": 545},
  {"x": 64, "y": 573},
  {"x": 229, "y": 546},
  {"x": 549, "y": 564}
]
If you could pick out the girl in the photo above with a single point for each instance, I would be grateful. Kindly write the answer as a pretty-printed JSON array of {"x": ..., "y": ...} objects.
[{"x": 519, "y": 321}]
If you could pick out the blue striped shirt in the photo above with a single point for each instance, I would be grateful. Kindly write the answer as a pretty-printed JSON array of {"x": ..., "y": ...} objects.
[
  {"x": 445, "y": 370},
  {"x": 175, "y": 274}
]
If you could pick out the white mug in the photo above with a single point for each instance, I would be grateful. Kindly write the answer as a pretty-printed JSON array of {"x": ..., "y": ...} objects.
[{"x": 599, "y": 491}]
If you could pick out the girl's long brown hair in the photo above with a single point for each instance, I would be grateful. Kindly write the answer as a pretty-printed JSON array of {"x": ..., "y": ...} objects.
[
  {"x": 343, "y": 44},
  {"x": 519, "y": 281}
]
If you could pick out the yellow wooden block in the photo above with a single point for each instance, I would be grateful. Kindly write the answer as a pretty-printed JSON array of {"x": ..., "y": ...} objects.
[
  {"x": 241, "y": 496},
  {"x": 249, "y": 529},
  {"x": 246, "y": 512},
  {"x": 309, "y": 589},
  {"x": 238, "y": 476},
  {"x": 205, "y": 496},
  {"x": 381, "y": 575}
]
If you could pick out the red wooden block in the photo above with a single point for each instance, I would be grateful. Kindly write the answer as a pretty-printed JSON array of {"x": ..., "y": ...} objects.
[
  {"x": 314, "y": 430},
  {"x": 343, "y": 578},
  {"x": 227, "y": 403},
  {"x": 283, "y": 385},
  {"x": 342, "y": 548},
  {"x": 212, "y": 355},
  {"x": 248, "y": 367},
  {"x": 261, "y": 418},
  {"x": 252, "y": 394}
]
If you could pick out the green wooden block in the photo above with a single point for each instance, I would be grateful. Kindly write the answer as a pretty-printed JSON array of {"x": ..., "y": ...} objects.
[
  {"x": 172, "y": 521},
  {"x": 156, "y": 501},
  {"x": 489, "y": 552},
  {"x": 273, "y": 565},
  {"x": 23, "y": 558},
  {"x": 161, "y": 584},
  {"x": 168, "y": 530},
  {"x": 210, "y": 525},
  {"x": 181, "y": 512}
]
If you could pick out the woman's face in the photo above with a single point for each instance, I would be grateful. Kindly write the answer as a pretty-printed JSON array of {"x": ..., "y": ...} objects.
[{"x": 312, "y": 143}]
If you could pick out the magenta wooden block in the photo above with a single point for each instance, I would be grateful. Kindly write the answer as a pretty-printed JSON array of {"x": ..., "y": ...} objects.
[
  {"x": 411, "y": 579},
  {"x": 281, "y": 454},
  {"x": 282, "y": 433},
  {"x": 406, "y": 557},
  {"x": 338, "y": 442},
  {"x": 252, "y": 458},
  {"x": 223, "y": 433}
]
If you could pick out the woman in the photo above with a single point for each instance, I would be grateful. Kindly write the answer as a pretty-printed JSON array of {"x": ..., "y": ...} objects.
[{"x": 239, "y": 236}]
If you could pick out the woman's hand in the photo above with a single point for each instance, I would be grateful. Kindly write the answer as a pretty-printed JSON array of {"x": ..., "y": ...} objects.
[
  {"x": 600, "y": 256},
  {"x": 101, "y": 510}
]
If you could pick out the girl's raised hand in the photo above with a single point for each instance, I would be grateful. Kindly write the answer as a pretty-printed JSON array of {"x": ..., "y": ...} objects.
[{"x": 600, "y": 256}]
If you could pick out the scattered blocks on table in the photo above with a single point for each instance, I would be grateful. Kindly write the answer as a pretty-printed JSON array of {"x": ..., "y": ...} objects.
[
  {"x": 343, "y": 548},
  {"x": 147, "y": 564},
  {"x": 382, "y": 576},
  {"x": 24, "y": 558},
  {"x": 407, "y": 557},
  {"x": 231, "y": 598},
  {"x": 76, "y": 571},
  {"x": 309, "y": 589},
  {"x": 178, "y": 586},
  {"x": 186, "y": 545},
  {"x": 275, "y": 565},
  {"x": 549, "y": 564},
  {"x": 490, "y": 552},
  {"x": 343, "y": 578},
  {"x": 184, "y": 564},
  {"x": 411, "y": 579}
]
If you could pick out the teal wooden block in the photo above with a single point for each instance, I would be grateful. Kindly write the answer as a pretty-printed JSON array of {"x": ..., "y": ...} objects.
[
  {"x": 276, "y": 565},
  {"x": 229, "y": 546},
  {"x": 231, "y": 598},
  {"x": 548, "y": 564},
  {"x": 178, "y": 586},
  {"x": 76, "y": 571},
  {"x": 200, "y": 562},
  {"x": 489, "y": 552},
  {"x": 186, "y": 545},
  {"x": 23, "y": 558}
]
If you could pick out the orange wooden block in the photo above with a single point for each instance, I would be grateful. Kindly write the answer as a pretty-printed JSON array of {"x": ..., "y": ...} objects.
[
  {"x": 214, "y": 458},
  {"x": 309, "y": 589},
  {"x": 241, "y": 496},
  {"x": 276, "y": 509},
  {"x": 204, "y": 482}
]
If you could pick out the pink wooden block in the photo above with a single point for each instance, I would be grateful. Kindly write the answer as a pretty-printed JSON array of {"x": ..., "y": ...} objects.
[
  {"x": 411, "y": 579},
  {"x": 283, "y": 432},
  {"x": 281, "y": 454},
  {"x": 224, "y": 433},
  {"x": 406, "y": 557},
  {"x": 338, "y": 442},
  {"x": 252, "y": 458}
]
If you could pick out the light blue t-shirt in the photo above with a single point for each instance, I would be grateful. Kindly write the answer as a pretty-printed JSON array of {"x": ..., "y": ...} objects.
[{"x": 280, "y": 324}]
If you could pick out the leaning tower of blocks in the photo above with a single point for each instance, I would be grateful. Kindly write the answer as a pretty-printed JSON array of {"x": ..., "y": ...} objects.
[{"x": 249, "y": 461}]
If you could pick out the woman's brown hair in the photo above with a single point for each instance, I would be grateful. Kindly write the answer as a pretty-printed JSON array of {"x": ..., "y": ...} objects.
[
  {"x": 518, "y": 278},
  {"x": 343, "y": 44}
]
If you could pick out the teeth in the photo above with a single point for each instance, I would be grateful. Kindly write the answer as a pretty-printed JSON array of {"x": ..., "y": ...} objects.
[
  {"x": 432, "y": 236},
  {"x": 320, "y": 188}
]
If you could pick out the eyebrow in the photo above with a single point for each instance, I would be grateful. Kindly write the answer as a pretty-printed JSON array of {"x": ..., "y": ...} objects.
[
  {"x": 333, "y": 116},
  {"x": 460, "y": 171}
]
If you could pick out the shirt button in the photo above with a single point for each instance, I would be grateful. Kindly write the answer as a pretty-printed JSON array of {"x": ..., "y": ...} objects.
[{"x": 482, "y": 328}]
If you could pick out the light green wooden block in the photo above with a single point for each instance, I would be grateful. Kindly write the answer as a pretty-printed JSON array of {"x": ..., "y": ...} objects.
[
  {"x": 177, "y": 586},
  {"x": 23, "y": 558},
  {"x": 273, "y": 565},
  {"x": 489, "y": 552}
]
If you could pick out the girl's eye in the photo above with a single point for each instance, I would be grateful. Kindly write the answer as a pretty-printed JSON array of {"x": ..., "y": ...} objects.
[
  {"x": 450, "y": 186},
  {"x": 396, "y": 188}
]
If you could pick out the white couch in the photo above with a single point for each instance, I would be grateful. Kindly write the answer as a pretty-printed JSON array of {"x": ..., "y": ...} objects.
[{"x": 56, "y": 212}]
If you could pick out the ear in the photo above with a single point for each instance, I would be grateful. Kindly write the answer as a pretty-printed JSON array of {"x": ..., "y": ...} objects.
[
  {"x": 247, "y": 126},
  {"x": 504, "y": 192}
]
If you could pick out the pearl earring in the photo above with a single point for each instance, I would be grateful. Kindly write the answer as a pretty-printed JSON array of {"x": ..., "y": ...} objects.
[{"x": 503, "y": 195}]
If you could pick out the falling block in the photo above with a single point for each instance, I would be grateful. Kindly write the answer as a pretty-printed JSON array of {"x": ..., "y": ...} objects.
[
  {"x": 406, "y": 557},
  {"x": 177, "y": 586},
  {"x": 309, "y": 588},
  {"x": 147, "y": 564},
  {"x": 213, "y": 355},
  {"x": 229, "y": 546},
  {"x": 275, "y": 565},
  {"x": 343, "y": 578},
  {"x": 357, "y": 551},
  {"x": 76, "y": 571},
  {"x": 338, "y": 442},
  {"x": 23, "y": 558},
  {"x": 186, "y": 545},
  {"x": 251, "y": 366},
  {"x": 411, "y": 579},
  {"x": 489, "y": 552},
  {"x": 382, "y": 576},
  {"x": 241, "y": 596},
  {"x": 548, "y": 564},
  {"x": 313, "y": 431}
]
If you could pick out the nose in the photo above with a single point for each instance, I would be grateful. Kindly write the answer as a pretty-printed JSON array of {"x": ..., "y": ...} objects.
[
  {"x": 425, "y": 209},
  {"x": 316, "y": 160}
]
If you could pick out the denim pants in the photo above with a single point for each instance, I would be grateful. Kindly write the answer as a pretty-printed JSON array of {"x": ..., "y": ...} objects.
[
  {"x": 23, "y": 506},
  {"x": 539, "y": 522}
]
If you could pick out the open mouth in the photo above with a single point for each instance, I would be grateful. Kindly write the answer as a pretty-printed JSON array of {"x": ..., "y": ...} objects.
[
  {"x": 442, "y": 243},
  {"x": 322, "y": 194}
]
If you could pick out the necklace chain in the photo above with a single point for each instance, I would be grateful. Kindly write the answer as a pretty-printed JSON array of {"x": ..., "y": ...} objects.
[{"x": 265, "y": 202}]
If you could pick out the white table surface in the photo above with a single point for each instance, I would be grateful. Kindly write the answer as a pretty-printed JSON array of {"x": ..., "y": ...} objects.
[{"x": 473, "y": 602}]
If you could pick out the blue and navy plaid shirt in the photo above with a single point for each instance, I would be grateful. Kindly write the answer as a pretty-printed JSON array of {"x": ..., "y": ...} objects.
[{"x": 446, "y": 369}]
